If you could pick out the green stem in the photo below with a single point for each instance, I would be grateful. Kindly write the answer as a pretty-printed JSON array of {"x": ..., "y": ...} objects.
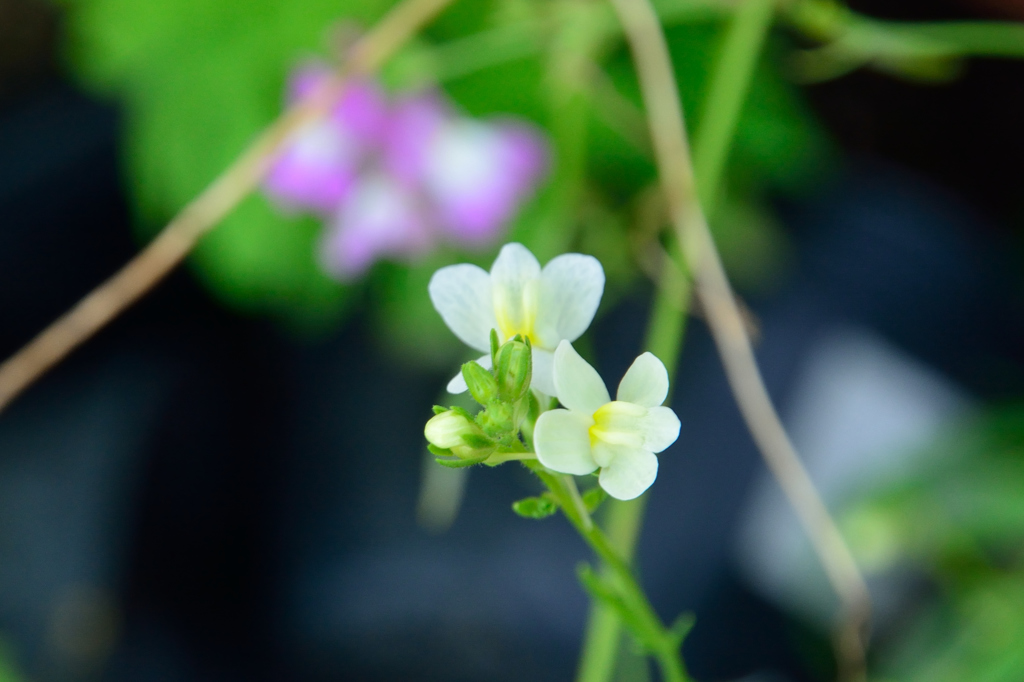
[
  {"x": 597, "y": 662},
  {"x": 664, "y": 644},
  {"x": 502, "y": 457},
  {"x": 731, "y": 79},
  {"x": 730, "y": 83}
]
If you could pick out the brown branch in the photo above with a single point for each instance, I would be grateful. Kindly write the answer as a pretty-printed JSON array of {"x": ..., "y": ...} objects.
[
  {"x": 200, "y": 216},
  {"x": 665, "y": 117}
]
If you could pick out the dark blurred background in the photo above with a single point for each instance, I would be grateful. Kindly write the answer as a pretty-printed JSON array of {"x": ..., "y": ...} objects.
[{"x": 199, "y": 495}]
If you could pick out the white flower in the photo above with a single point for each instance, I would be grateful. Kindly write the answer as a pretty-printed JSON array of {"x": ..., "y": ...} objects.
[
  {"x": 620, "y": 437},
  {"x": 518, "y": 297}
]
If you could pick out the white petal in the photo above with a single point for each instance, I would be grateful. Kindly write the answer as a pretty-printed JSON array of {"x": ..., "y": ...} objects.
[
  {"x": 543, "y": 371},
  {"x": 462, "y": 295},
  {"x": 645, "y": 383},
  {"x": 630, "y": 473},
  {"x": 577, "y": 385},
  {"x": 562, "y": 442},
  {"x": 603, "y": 452},
  {"x": 514, "y": 282},
  {"x": 660, "y": 428},
  {"x": 458, "y": 382},
  {"x": 570, "y": 291}
]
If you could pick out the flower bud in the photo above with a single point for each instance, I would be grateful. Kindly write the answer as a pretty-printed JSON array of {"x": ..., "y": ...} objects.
[
  {"x": 454, "y": 431},
  {"x": 514, "y": 369},
  {"x": 499, "y": 419},
  {"x": 482, "y": 385}
]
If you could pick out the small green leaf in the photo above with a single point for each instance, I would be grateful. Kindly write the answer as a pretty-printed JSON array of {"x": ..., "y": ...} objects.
[
  {"x": 603, "y": 589},
  {"x": 681, "y": 627},
  {"x": 600, "y": 589},
  {"x": 593, "y": 498},
  {"x": 535, "y": 507},
  {"x": 439, "y": 410}
]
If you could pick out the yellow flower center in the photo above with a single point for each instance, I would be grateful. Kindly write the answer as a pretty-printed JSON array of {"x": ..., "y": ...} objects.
[
  {"x": 615, "y": 423},
  {"x": 515, "y": 309}
]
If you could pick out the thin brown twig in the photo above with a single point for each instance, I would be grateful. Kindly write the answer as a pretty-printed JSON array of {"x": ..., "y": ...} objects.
[
  {"x": 665, "y": 117},
  {"x": 664, "y": 271},
  {"x": 180, "y": 236}
]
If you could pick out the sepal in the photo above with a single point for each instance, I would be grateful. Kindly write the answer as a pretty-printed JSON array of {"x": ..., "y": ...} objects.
[
  {"x": 481, "y": 383},
  {"x": 458, "y": 463},
  {"x": 495, "y": 344},
  {"x": 439, "y": 452},
  {"x": 513, "y": 368},
  {"x": 461, "y": 411},
  {"x": 478, "y": 441}
]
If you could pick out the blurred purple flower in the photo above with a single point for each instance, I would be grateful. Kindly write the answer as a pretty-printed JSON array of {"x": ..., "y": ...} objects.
[
  {"x": 393, "y": 179},
  {"x": 478, "y": 173},
  {"x": 319, "y": 166},
  {"x": 380, "y": 218}
]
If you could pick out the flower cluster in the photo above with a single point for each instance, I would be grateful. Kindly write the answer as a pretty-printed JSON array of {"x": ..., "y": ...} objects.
[
  {"x": 391, "y": 178},
  {"x": 492, "y": 436},
  {"x": 528, "y": 317}
]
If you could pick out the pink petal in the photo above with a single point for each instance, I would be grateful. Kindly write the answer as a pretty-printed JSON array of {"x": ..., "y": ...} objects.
[
  {"x": 414, "y": 123},
  {"x": 317, "y": 167},
  {"x": 479, "y": 173},
  {"x": 363, "y": 112},
  {"x": 315, "y": 170},
  {"x": 380, "y": 219},
  {"x": 362, "y": 108}
]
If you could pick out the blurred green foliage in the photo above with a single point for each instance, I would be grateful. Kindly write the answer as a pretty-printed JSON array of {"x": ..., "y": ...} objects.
[
  {"x": 199, "y": 79},
  {"x": 8, "y": 672},
  {"x": 961, "y": 523}
]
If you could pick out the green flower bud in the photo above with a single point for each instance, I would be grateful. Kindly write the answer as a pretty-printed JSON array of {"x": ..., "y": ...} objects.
[
  {"x": 498, "y": 420},
  {"x": 454, "y": 432},
  {"x": 482, "y": 384},
  {"x": 514, "y": 369}
]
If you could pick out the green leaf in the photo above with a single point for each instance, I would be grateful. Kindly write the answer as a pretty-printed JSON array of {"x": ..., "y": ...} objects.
[
  {"x": 535, "y": 507},
  {"x": 681, "y": 627},
  {"x": 593, "y": 498},
  {"x": 603, "y": 589}
]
